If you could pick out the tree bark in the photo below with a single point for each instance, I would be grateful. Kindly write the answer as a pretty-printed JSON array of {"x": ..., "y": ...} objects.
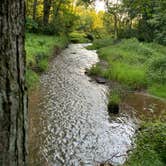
[
  {"x": 34, "y": 9},
  {"x": 47, "y": 6},
  {"x": 13, "y": 95}
]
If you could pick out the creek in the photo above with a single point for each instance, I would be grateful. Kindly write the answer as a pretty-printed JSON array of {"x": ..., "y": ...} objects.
[{"x": 69, "y": 123}]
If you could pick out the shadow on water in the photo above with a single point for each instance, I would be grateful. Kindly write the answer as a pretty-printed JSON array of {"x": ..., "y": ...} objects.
[{"x": 69, "y": 122}]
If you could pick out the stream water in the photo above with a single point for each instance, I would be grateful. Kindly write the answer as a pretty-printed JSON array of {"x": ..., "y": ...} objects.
[{"x": 69, "y": 122}]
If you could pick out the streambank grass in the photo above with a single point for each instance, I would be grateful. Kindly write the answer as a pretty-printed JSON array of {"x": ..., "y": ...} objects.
[
  {"x": 135, "y": 64},
  {"x": 150, "y": 146},
  {"x": 39, "y": 49}
]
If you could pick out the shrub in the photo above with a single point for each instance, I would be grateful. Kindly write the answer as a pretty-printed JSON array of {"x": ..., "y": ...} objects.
[
  {"x": 151, "y": 146},
  {"x": 48, "y": 29},
  {"x": 157, "y": 70},
  {"x": 78, "y": 37},
  {"x": 31, "y": 25}
]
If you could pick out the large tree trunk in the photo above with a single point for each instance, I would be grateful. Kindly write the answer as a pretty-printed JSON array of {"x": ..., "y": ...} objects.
[
  {"x": 34, "y": 9},
  {"x": 47, "y": 6},
  {"x": 13, "y": 96}
]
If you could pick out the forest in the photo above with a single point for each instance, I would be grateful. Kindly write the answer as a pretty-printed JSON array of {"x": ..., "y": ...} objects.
[{"x": 87, "y": 86}]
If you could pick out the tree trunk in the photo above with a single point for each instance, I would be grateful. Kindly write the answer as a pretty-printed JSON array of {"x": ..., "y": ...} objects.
[
  {"x": 34, "y": 9},
  {"x": 13, "y": 95},
  {"x": 115, "y": 27},
  {"x": 47, "y": 6},
  {"x": 57, "y": 8}
]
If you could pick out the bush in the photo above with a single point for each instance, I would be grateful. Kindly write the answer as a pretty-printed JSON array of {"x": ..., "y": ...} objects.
[
  {"x": 102, "y": 43},
  {"x": 151, "y": 146},
  {"x": 157, "y": 70},
  {"x": 78, "y": 37},
  {"x": 31, "y": 25},
  {"x": 48, "y": 29}
]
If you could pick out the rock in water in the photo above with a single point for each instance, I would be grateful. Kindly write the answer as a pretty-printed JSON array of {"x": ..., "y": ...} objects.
[
  {"x": 100, "y": 80},
  {"x": 113, "y": 108}
]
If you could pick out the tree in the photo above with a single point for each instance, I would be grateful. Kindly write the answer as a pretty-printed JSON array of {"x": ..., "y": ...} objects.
[
  {"x": 142, "y": 11},
  {"x": 34, "y": 9},
  {"x": 115, "y": 10},
  {"x": 46, "y": 14},
  {"x": 13, "y": 95}
]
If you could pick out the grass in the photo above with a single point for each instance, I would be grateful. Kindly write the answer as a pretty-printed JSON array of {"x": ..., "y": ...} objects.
[
  {"x": 39, "y": 49},
  {"x": 78, "y": 37},
  {"x": 158, "y": 90},
  {"x": 151, "y": 146},
  {"x": 114, "y": 97},
  {"x": 132, "y": 63},
  {"x": 97, "y": 44}
]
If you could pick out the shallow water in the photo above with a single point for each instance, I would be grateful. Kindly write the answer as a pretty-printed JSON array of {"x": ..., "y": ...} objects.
[
  {"x": 70, "y": 126},
  {"x": 145, "y": 106}
]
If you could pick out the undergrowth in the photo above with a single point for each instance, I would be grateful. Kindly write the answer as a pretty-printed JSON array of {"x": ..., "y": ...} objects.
[
  {"x": 135, "y": 64},
  {"x": 150, "y": 146},
  {"x": 39, "y": 49}
]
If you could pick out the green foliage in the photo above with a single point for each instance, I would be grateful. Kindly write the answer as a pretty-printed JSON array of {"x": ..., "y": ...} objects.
[
  {"x": 151, "y": 146},
  {"x": 101, "y": 43},
  {"x": 96, "y": 70},
  {"x": 39, "y": 49},
  {"x": 158, "y": 90},
  {"x": 114, "y": 97},
  {"x": 32, "y": 79},
  {"x": 157, "y": 70},
  {"x": 132, "y": 63},
  {"x": 78, "y": 37},
  {"x": 133, "y": 76},
  {"x": 31, "y": 25}
]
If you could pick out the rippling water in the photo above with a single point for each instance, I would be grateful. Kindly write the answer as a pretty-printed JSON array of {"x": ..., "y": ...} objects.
[{"x": 71, "y": 125}]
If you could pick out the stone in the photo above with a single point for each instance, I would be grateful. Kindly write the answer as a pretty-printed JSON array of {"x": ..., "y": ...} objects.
[
  {"x": 113, "y": 108},
  {"x": 100, "y": 80}
]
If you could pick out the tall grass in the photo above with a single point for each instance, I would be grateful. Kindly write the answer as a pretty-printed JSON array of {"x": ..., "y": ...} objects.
[
  {"x": 151, "y": 146},
  {"x": 135, "y": 64},
  {"x": 39, "y": 48}
]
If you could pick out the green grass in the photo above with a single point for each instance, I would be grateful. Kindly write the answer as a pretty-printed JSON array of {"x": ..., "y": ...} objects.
[
  {"x": 114, "y": 97},
  {"x": 39, "y": 49},
  {"x": 151, "y": 146},
  {"x": 158, "y": 90},
  {"x": 100, "y": 43},
  {"x": 78, "y": 37},
  {"x": 135, "y": 64}
]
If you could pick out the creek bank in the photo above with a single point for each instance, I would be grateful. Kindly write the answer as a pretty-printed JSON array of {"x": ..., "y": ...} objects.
[{"x": 39, "y": 51}]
